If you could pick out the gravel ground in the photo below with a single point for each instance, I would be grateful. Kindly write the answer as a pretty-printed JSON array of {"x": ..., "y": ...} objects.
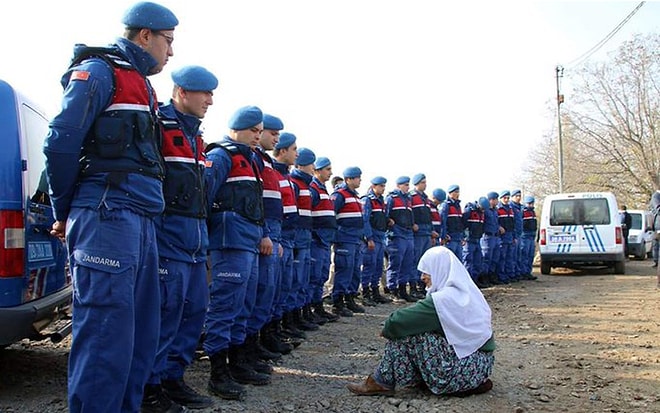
[{"x": 578, "y": 341}]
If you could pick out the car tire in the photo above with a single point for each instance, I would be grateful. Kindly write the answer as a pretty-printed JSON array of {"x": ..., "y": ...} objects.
[
  {"x": 545, "y": 268},
  {"x": 620, "y": 267}
]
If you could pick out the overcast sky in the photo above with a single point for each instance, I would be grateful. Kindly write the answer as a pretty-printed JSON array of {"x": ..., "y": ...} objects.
[{"x": 458, "y": 91}]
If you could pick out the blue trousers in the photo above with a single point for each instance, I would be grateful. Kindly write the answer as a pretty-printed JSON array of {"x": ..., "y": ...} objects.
[
  {"x": 372, "y": 265},
  {"x": 233, "y": 294},
  {"x": 183, "y": 301},
  {"x": 505, "y": 270},
  {"x": 116, "y": 303},
  {"x": 320, "y": 270},
  {"x": 527, "y": 250},
  {"x": 490, "y": 249},
  {"x": 302, "y": 264},
  {"x": 472, "y": 258},
  {"x": 285, "y": 299},
  {"x": 347, "y": 268},
  {"x": 266, "y": 288},
  {"x": 422, "y": 243},
  {"x": 401, "y": 266},
  {"x": 455, "y": 245}
]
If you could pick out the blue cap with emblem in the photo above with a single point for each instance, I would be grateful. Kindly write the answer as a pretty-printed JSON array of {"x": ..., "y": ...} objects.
[
  {"x": 515, "y": 192},
  {"x": 505, "y": 193},
  {"x": 245, "y": 118},
  {"x": 439, "y": 194},
  {"x": 272, "y": 122},
  {"x": 418, "y": 178},
  {"x": 492, "y": 195},
  {"x": 286, "y": 139},
  {"x": 529, "y": 199},
  {"x": 402, "y": 180},
  {"x": 483, "y": 202},
  {"x": 352, "y": 172},
  {"x": 321, "y": 163},
  {"x": 195, "y": 79},
  {"x": 378, "y": 180},
  {"x": 305, "y": 157},
  {"x": 453, "y": 188},
  {"x": 148, "y": 15}
]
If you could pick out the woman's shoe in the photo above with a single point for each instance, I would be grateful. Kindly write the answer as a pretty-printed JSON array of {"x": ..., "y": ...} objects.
[{"x": 369, "y": 388}]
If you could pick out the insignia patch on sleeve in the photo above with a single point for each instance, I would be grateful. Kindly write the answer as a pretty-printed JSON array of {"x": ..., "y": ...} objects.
[
  {"x": 79, "y": 75},
  {"x": 208, "y": 163}
]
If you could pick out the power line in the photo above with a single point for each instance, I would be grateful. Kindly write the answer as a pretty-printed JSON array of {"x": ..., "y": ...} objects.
[{"x": 611, "y": 34}]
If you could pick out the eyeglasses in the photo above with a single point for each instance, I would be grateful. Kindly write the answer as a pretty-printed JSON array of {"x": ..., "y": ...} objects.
[{"x": 168, "y": 39}]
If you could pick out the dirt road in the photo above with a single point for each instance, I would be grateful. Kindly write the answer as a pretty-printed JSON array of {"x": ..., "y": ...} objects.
[{"x": 570, "y": 342}]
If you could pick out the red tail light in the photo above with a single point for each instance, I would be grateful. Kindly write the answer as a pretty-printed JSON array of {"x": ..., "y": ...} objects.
[
  {"x": 12, "y": 244},
  {"x": 542, "y": 237},
  {"x": 618, "y": 235}
]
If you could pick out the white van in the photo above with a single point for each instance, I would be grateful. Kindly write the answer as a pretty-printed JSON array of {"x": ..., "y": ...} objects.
[
  {"x": 640, "y": 235},
  {"x": 581, "y": 229}
]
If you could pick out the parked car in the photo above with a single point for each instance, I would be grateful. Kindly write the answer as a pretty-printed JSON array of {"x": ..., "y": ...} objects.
[
  {"x": 640, "y": 235},
  {"x": 35, "y": 285},
  {"x": 581, "y": 229}
]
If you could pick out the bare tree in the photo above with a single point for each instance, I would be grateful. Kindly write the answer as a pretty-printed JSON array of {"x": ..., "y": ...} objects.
[{"x": 611, "y": 133}]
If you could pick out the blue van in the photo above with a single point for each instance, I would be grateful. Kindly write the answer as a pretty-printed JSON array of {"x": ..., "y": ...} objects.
[{"x": 35, "y": 285}]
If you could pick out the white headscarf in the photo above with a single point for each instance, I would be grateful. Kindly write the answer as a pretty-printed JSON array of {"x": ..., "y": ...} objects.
[{"x": 462, "y": 310}]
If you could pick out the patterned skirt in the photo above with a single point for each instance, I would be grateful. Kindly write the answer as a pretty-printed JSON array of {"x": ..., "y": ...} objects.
[{"x": 429, "y": 358}]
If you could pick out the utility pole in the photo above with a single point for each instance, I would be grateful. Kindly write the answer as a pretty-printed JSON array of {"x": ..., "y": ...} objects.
[{"x": 560, "y": 99}]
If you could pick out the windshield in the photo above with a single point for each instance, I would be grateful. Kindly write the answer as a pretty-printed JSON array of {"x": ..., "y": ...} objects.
[{"x": 592, "y": 211}]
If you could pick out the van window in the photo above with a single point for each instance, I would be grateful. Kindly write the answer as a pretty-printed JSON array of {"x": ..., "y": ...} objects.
[
  {"x": 35, "y": 128},
  {"x": 636, "y": 221},
  {"x": 584, "y": 211}
]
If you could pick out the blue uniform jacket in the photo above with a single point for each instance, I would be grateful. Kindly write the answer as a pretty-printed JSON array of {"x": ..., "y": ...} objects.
[
  {"x": 325, "y": 235},
  {"x": 83, "y": 101},
  {"x": 371, "y": 233},
  {"x": 491, "y": 222},
  {"x": 228, "y": 229},
  {"x": 182, "y": 238},
  {"x": 517, "y": 219},
  {"x": 351, "y": 229},
  {"x": 397, "y": 231}
]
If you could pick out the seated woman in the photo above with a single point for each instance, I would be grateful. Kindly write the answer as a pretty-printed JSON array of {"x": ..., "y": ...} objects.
[{"x": 444, "y": 341}]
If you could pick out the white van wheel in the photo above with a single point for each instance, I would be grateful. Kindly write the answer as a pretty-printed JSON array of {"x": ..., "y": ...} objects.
[{"x": 545, "y": 268}]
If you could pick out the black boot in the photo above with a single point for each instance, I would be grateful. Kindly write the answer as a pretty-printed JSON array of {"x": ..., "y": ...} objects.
[
  {"x": 284, "y": 336},
  {"x": 367, "y": 300},
  {"x": 221, "y": 383},
  {"x": 242, "y": 369},
  {"x": 339, "y": 308},
  {"x": 251, "y": 353},
  {"x": 312, "y": 317},
  {"x": 377, "y": 297},
  {"x": 403, "y": 294},
  {"x": 262, "y": 352},
  {"x": 179, "y": 392},
  {"x": 271, "y": 341},
  {"x": 414, "y": 292},
  {"x": 320, "y": 311},
  {"x": 301, "y": 323},
  {"x": 289, "y": 326},
  {"x": 156, "y": 401},
  {"x": 349, "y": 301}
]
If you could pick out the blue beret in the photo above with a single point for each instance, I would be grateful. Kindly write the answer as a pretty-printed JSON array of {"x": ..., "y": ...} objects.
[
  {"x": 378, "y": 180},
  {"x": 483, "y": 202},
  {"x": 245, "y": 118},
  {"x": 418, "y": 178},
  {"x": 195, "y": 79},
  {"x": 529, "y": 199},
  {"x": 321, "y": 162},
  {"x": 148, "y": 15},
  {"x": 492, "y": 195},
  {"x": 439, "y": 194},
  {"x": 453, "y": 188},
  {"x": 402, "y": 180},
  {"x": 305, "y": 157},
  {"x": 272, "y": 122},
  {"x": 352, "y": 172},
  {"x": 286, "y": 139},
  {"x": 505, "y": 193},
  {"x": 515, "y": 192}
]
